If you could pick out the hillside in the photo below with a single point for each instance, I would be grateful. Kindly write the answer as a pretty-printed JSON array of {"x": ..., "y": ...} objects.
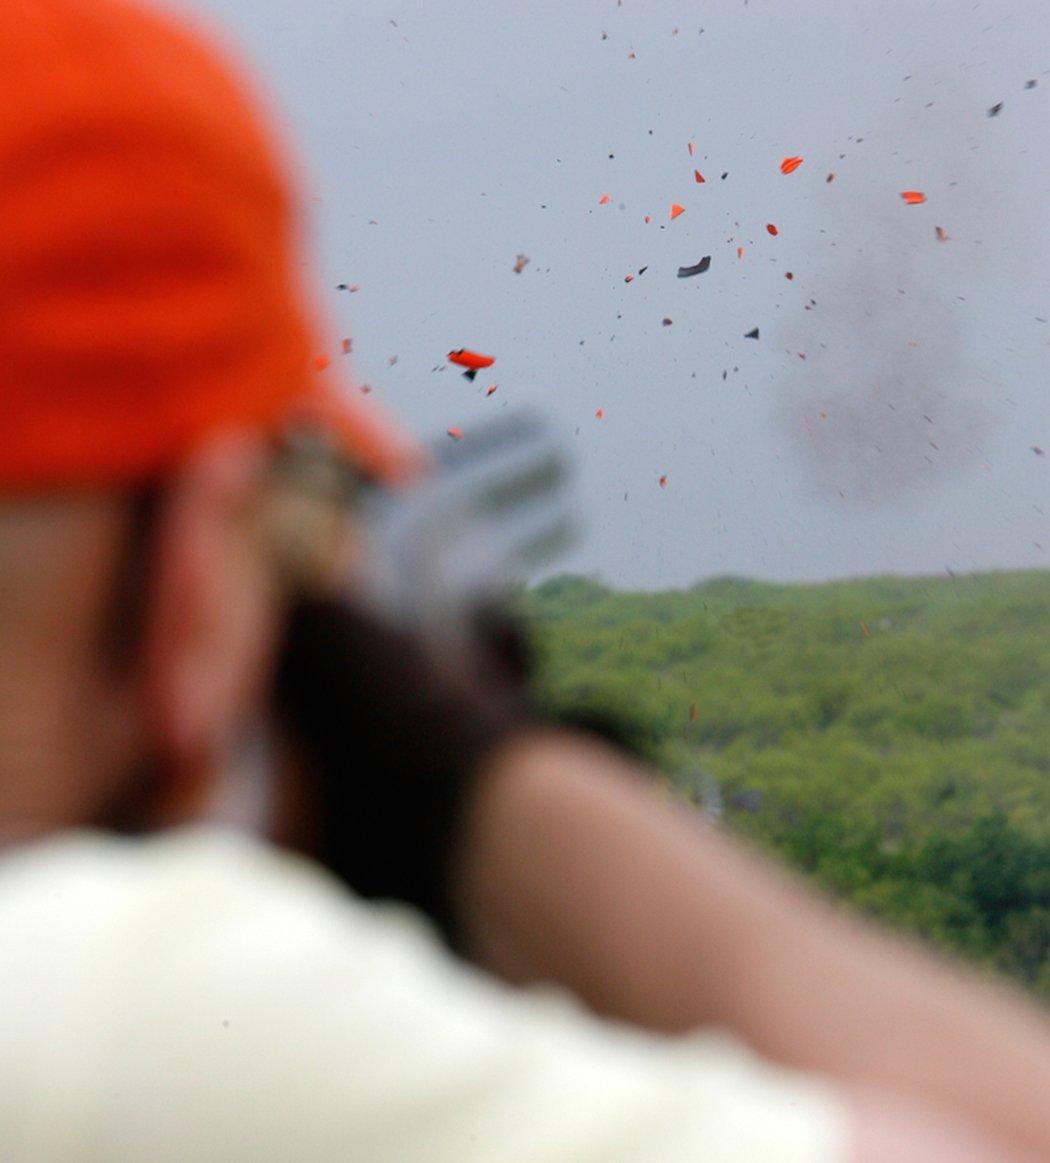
[{"x": 889, "y": 736}]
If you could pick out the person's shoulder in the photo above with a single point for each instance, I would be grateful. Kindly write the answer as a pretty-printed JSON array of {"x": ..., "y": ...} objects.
[
  {"x": 82, "y": 888},
  {"x": 96, "y": 928},
  {"x": 169, "y": 998},
  {"x": 67, "y": 869},
  {"x": 197, "y": 961}
]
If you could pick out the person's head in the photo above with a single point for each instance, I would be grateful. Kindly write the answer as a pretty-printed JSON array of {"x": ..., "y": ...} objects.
[{"x": 154, "y": 343}]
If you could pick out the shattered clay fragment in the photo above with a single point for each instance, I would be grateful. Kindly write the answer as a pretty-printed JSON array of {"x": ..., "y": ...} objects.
[
  {"x": 696, "y": 269},
  {"x": 473, "y": 361},
  {"x": 470, "y": 359}
]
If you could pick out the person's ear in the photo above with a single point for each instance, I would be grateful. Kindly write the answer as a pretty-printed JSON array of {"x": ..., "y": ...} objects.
[{"x": 212, "y": 617}]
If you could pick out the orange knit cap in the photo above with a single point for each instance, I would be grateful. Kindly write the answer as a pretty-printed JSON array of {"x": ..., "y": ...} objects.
[{"x": 147, "y": 265}]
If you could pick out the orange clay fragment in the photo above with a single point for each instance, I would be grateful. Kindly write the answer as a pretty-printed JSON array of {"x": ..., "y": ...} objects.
[
  {"x": 648, "y": 219},
  {"x": 628, "y": 278},
  {"x": 455, "y": 433},
  {"x": 472, "y": 360},
  {"x": 599, "y": 414},
  {"x": 772, "y": 229},
  {"x": 490, "y": 389},
  {"x": 603, "y": 200},
  {"x": 321, "y": 362},
  {"x": 690, "y": 149},
  {"x": 739, "y": 252},
  {"x": 790, "y": 164},
  {"x": 663, "y": 482},
  {"x": 698, "y": 177},
  {"x": 913, "y": 197},
  {"x": 676, "y": 209}
]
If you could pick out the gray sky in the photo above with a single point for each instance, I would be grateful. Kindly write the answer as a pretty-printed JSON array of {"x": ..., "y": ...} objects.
[{"x": 441, "y": 139}]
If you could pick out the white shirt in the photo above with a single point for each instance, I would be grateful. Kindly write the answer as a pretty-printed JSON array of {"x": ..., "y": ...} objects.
[{"x": 202, "y": 996}]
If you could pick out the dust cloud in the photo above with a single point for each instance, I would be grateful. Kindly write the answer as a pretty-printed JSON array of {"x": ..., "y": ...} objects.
[{"x": 891, "y": 394}]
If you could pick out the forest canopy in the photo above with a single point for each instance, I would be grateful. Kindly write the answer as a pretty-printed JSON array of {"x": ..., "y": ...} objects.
[{"x": 890, "y": 737}]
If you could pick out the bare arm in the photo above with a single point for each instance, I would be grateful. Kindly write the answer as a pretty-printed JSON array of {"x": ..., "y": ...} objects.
[
  {"x": 575, "y": 871},
  {"x": 887, "y": 1127}
]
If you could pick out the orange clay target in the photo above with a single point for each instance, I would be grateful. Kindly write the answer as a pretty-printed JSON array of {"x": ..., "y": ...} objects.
[{"x": 471, "y": 359}]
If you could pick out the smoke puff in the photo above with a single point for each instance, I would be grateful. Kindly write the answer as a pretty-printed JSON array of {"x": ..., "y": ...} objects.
[{"x": 892, "y": 397}]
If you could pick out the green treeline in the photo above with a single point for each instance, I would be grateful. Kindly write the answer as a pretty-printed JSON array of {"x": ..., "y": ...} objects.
[{"x": 889, "y": 737}]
